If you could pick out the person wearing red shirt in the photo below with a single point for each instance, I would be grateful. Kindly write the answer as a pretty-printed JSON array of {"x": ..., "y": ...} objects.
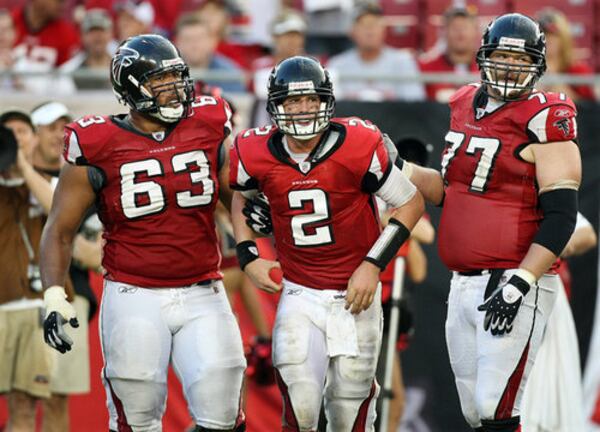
[
  {"x": 43, "y": 41},
  {"x": 458, "y": 57}
]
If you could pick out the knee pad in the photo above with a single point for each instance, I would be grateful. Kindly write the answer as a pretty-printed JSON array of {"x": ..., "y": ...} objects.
[{"x": 506, "y": 425}]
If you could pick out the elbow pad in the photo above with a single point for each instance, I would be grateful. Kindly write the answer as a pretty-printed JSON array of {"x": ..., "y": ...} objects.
[{"x": 560, "y": 215}]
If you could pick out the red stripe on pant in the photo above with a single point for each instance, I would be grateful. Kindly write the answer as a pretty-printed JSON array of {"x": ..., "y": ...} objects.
[
  {"x": 507, "y": 402},
  {"x": 290, "y": 423},
  {"x": 122, "y": 424},
  {"x": 360, "y": 424}
]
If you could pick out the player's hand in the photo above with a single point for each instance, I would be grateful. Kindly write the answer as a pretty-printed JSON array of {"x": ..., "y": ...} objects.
[
  {"x": 362, "y": 287},
  {"x": 258, "y": 214},
  {"x": 259, "y": 272},
  {"x": 58, "y": 312},
  {"x": 502, "y": 306}
]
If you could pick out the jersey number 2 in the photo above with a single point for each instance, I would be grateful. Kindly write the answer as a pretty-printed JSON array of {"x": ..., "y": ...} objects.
[
  {"x": 153, "y": 194},
  {"x": 489, "y": 148},
  {"x": 320, "y": 235}
]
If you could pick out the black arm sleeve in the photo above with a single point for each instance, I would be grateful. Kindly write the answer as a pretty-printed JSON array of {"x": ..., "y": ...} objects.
[{"x": 560, "y": 215}]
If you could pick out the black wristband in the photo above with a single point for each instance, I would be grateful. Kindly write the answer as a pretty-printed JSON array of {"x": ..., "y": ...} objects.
[
  {"x": 387, "y": 245},
  {"x": 246, "y": 252},
  {"x": 520, "y": 283}
]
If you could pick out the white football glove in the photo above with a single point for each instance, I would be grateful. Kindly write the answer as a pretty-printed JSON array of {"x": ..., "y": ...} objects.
[{"x": 58, "y": 312}]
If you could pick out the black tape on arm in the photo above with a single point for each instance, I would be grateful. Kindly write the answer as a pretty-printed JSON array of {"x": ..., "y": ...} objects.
[
  {"x": 560, "y": 215},
  {"x": 387, "y": 245}
]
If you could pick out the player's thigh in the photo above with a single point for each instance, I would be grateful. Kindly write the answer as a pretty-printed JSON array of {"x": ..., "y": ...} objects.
[
  {"x": 300, "y": 356},
  {"x": 505, "y": 360},
  {"x": 208, "y": 357},
  {"x": 462, "y": 321},
  {"x": 136, "y": 341}
]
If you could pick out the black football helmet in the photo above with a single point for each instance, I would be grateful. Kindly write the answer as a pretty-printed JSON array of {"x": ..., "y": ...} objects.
[
  {"x": 142, "y": 57},
  {"x": 295, "y": 76},
  {"x": 517, "y": 33}
]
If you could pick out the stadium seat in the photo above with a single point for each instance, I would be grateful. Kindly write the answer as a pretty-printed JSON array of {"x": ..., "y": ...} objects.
[
  {"x": 400, "y": 7},
  {"x": 482, "y": 7},
  {"x": 568, "y": 7}
]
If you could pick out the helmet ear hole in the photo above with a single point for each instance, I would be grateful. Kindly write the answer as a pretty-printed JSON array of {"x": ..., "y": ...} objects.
[{"x": 136, "y": 61}]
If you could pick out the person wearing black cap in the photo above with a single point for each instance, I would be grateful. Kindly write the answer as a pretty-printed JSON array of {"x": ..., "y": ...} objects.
[{"x": 24, "y": 197}]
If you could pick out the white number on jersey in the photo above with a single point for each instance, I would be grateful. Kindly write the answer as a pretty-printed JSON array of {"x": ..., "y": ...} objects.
[
  {"x": 489, "y": 150},
  {"x": 322, "y": 235},
  {"x": 132, "y": 191}
]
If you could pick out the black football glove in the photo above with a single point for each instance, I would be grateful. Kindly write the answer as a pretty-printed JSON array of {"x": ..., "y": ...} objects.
[
  {"x": 258, "y": 214},
  {"x": 502, "y": 306}
]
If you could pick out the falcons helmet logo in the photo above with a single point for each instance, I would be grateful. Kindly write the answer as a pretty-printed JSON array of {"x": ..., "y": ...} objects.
[{"x": 123, "y": 58}]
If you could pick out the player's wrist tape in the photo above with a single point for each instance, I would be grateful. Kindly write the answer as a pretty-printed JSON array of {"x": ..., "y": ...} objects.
[
  {"x": 387, "y": 245},
  {"x": 246, "y": 252},
  {"x": 55, "y": 300},
  {"x": 560, "y": 215},
  {"x": 522, "y": 280},
  {"x": 405, "y": 167}
]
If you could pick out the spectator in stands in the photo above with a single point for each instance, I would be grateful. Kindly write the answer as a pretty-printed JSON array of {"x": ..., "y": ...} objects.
[
  {"x": 24, "y": 197},
  {"x": 7, "y": 41},
  {"x": 71, "y": 371},
  {"x": 219, "y": 15},
  {"x": 375, "y": 59},
  {"x": 44, "y": 41},
  {"x": 457, "y": 55},
  {"x": 560, "y": 56},
  {"x": 288, "y": 32},
  {"x": 329, "y": 23},
  {"x": 197, "y": 45},
  {"x": 134, "y": 17},
  {"x": 96, "y": 55}
]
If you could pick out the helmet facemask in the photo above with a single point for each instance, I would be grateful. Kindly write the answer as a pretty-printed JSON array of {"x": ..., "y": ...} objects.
[
  {"x": 302, "y": 126},
  {"x": 176, "y": 108},
  {"x": 509, "y": 81}
]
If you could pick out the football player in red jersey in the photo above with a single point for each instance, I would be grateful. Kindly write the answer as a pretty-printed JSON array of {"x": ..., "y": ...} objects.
[
  {"x": 320, "y": 176},
  {"x": 155, "y": 174},
  {"x": 508, "y": 189}
]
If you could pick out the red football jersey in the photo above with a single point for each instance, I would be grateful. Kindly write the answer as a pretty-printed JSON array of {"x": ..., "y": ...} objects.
[
  {"x": 324, "y": 215},
  {"x": 490, "y": 213},
  {"x": 158, "y": 200},
  {"x": 53, "y": 45}
]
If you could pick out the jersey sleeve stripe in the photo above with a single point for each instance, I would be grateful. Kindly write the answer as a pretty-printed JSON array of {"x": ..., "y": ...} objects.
[{"x": 537, "y": 125}]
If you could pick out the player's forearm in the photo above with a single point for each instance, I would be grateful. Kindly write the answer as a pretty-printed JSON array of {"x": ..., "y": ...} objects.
[
  {"x": 241, "y": 231},
  {"x": 410, "y": 213},
  {"x": 538, "y": 260},
  {"x": 429, "y": 182},
  {"x": 55, "y": 255}
]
